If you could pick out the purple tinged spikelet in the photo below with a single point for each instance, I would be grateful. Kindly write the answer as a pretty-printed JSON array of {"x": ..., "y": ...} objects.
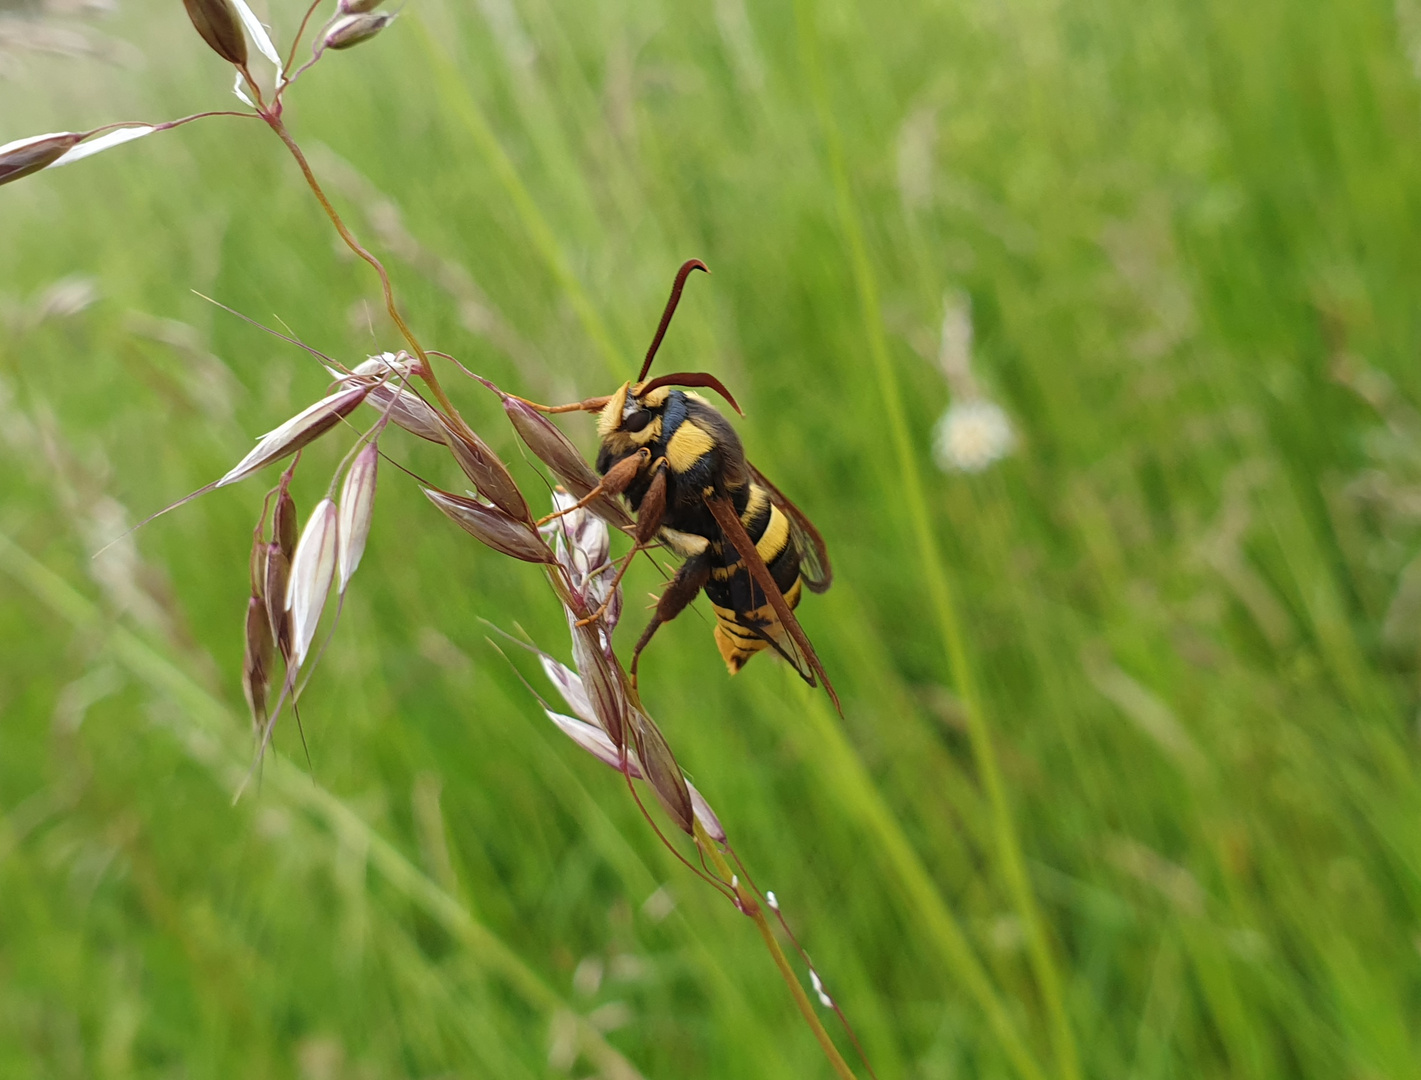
[
  {"x": 257, "y": 565},
  {"x": 358, "y": 7},
  {"x": 257, "y": 660},
  {"x": 554, "y": 450},
  {"x": 278, "y": 573},
  {"x": 25, "y": 156},
  {"x": 216, "y": 21},
  {"x": 312, "y": 571},
  {"x": 307, "y": 425},
  {"x": 662, "y": 772},
  {"x": 490, "y": 525},
  {"x": 350, "y": 30},
  {"x": 357, "y": 508},
  {"x": 283, "y": 523},
  {"x": 591, "y": 738},
  {"x": 490, "y": 476},
  {"x": 603, "y": 681}
]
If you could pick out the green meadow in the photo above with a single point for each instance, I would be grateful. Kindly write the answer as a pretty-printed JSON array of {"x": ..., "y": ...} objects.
[{"x": 1126, "y": 783}]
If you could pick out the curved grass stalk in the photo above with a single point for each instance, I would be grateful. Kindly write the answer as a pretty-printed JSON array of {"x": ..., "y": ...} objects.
[
  {"x": 751, "y": 907},
  {"x": 1007, "y": 843}
]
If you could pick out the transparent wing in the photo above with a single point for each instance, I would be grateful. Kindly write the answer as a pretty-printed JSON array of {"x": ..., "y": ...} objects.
[
  {"x": 804, "y": 655},
  {"x": 814, "y": 565}
]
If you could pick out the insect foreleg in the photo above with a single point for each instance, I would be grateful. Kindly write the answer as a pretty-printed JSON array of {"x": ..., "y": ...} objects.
[
  {"x": 648, "y": 521},
  {"x": 619, "y": 477},
  {"x": 684, "y": 588}
]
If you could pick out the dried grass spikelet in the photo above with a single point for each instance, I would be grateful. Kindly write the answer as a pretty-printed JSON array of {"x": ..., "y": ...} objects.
[
  {"x": 490, "y": 476},
  {"x": 404, "y": 408},
  {"x": 258, "y": 659},
  {"x": 25, "y": 156},
  {"x": 312, "y": 569},
  {"x": 259, "y": 646},
  {"x": 358, "y": 7},
  {"x": 357, "y": 508},
  {"x": 584, "y": 729},
  {"x": 583, "y": 549},
  {"x": 598, "y": 691},
  {"x": 554, "y": 450},
  {"x": 307, "y": 425},
  {"x": 492, "y": 526},
  {"x": 216, "y": 21},
  {"x": 351, "y": 30}
]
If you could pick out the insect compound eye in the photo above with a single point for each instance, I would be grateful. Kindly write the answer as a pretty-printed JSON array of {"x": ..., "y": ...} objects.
[{"x": 636, "y": 421}]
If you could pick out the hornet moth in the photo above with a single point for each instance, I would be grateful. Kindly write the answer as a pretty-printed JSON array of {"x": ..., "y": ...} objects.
[{"x": 680, "y": 466}]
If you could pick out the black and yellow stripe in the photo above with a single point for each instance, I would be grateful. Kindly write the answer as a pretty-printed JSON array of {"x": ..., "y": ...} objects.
[{"x": 702, "y": 455}]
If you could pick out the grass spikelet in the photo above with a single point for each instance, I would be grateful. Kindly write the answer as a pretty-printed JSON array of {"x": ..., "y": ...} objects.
[
  {"x": 357, "y": 509},
  {"x": 312, "y": 570},
  {"x": 490, "y": 525},
  {"x": 303, "y": 428},
  {"x": 216, "y": 21}
]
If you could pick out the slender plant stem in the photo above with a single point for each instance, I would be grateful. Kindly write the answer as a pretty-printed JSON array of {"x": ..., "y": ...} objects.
[
  {"x": 296, "y": 41},
  {"x": 939, "y": 589},
  {"x": 751, "y": 906},
  {"x": 426, "y": 371}
]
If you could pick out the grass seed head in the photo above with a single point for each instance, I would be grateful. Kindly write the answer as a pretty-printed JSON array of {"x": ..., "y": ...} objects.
[
  {"x": 357, "y": 508},
  {"x": 556, "y": 451},
  {"x": 283, "y": 526},
  {"x": 350, "y": 30},
  {"x": 257, "y": 660},
  {"x": 586, "y": 732},
  {"x": 278, "y": 573},
  {"x": 306, "y": 426},
  {"x": 358, "y": 7},
  {"x": 25, "y": 156},
  {"x": 257, "y": 565},
  {"x": 602, "y": 680},
  {"x": 662, "y": 772},
  {"x": 490, "y": 475},
  {"x": 312, "y": 570},
  {"x": 216, "y": 21},
  {"x": 491, "y": 526}
]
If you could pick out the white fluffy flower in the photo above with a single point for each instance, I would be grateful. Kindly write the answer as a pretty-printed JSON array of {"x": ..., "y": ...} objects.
[{"x": 971, "y": 436}]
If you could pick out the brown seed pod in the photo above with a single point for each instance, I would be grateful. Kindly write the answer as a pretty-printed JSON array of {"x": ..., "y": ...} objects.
[
  {"x": 555, "y": 451},
  {"x": 490, "y": 476},
  {"x": 257, "y": 658},
  {"x": 350, "y": 30},
  {"x": 25, "y": 156},
  {"x": 283, "y": 524},
  {"x": 216, "y": 21},
  {"x": 490, "y": 525},
  {"x": 278, "y": 572}
]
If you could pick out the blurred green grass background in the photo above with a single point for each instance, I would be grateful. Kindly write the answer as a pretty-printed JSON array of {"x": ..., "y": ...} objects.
[{"x": 1190, "y": 597}]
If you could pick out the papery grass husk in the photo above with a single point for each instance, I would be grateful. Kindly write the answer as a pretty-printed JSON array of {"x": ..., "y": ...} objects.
[
  {"x": 312, "y": 571},
  {"x": 357, "y": 510},
  {"x": 26, "y": 156},
  {"x": 217, "y": 22},
  {"x": 492, "y": 526},
  {"x": 355, "y": 29},
  {"x": 306, "y": 426}
]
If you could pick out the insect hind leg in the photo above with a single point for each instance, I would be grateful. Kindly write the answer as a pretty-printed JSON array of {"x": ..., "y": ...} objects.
[{"x": 684, "y": 587}]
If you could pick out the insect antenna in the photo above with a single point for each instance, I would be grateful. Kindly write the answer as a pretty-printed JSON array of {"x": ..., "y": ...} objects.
[{"x": 675, "y": 298}]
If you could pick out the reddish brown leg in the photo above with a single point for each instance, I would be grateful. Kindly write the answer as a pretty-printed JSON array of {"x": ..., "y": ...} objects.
[
  {"x": 619, "y": 477},
  {"x": 684, "y": 588}
]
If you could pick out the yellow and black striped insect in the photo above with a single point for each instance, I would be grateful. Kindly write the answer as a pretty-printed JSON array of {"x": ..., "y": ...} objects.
[{"x": 680, "y": 466}]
